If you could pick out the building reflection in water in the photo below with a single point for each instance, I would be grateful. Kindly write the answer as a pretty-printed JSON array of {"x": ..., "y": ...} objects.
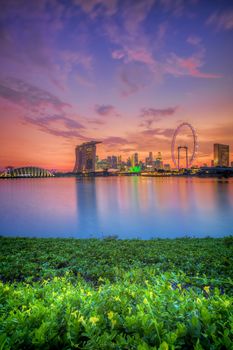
[
  {"x": 147, "y": 207},
  {"x": 87, "y": 210},
  {"x": 124, "y": 206}
]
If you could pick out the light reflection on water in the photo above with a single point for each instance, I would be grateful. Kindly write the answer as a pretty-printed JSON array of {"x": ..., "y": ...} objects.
[{"x": 125, "y": 206}]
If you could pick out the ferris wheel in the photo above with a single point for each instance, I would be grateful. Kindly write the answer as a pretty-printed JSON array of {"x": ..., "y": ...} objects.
[{"x": 189, "y": 157}]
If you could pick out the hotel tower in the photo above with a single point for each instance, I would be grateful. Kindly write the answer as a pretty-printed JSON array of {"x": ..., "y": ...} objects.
[
  {"x": 85, "y": 157},
  {"x": 221, "y": 155}
]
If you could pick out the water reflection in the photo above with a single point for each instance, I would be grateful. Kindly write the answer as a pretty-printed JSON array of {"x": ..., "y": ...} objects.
[
  {"x": 222, "y": 195},
  {"x": 87, "y": 210},
  {"x": 126, "y": 206}
]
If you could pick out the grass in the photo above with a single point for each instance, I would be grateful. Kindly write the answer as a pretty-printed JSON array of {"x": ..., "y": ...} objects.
[{"x": 116, "y": 294}]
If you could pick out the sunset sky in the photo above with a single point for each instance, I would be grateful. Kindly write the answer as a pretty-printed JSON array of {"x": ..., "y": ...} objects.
[{"x": 126, "y": 73}]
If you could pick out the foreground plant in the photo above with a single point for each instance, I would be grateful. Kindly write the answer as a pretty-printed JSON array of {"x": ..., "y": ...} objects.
[
  {"x": 160, "y": 294},
  {"x": 61, "y": 315}
]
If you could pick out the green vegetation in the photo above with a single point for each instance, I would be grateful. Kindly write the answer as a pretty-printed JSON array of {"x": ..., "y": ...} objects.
[
  {"x": 135, "y": 169},
  {"x": 116, "y": 294}
]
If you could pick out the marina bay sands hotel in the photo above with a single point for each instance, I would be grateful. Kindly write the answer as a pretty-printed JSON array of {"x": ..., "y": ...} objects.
[{"x": 85, "y": 157}]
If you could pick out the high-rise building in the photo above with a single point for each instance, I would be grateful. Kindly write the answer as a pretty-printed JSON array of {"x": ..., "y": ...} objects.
[
  {"x": 149, "y": 160},
  {"x": 85, "y": 157},
  {"x": 109, "y": 161},
  {"x": 150, "y": 157},
  {"x": 129, "y": 162},
  {"x": 221, "y": 155},
  {"x": 134, "y": 159},
  {"x": 159, "y": 161},
  {"x": 114, "y": 162}
]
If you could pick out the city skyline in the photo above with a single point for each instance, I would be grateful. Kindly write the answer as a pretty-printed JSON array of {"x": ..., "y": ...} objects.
[{"x": 126, "y": 73}]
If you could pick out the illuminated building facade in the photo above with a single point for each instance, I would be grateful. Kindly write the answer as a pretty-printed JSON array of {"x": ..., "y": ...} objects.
[
  {"x": 85, "y": 157},
  {"x": 159, "y": 161},
  {"x": 134, "y": 160},
  {"x": 221, "y": 155},
  {"x": 149, "y": 160},
  {"x": 28, "y": 171}
]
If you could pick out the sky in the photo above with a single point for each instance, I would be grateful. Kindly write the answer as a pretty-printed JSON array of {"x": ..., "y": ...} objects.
[{"x": 124, "y": 72}]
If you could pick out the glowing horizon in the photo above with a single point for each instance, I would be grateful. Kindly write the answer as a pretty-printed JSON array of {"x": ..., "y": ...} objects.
[{"x": 126, "y": 73}]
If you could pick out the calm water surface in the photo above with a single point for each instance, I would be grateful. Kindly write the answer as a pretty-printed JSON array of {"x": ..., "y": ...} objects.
[{"x": 125, "y": 206}]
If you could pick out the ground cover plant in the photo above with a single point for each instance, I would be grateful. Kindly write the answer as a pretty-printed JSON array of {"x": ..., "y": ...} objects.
[{"x": 116, "y": 294}]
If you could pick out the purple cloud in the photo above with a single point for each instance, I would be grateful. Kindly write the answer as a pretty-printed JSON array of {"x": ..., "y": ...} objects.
[
  {"x": 29, "y": 96},
  {"x": 188, "y": 66},
  {"x": 138, "y": 54},
  {"x": 82, "y": 80},
  {"x": 114, "y": 141},
  {"x": 96, "y": 121},
  {"x": 152, "y": 115},
  {"x": 135, "y": 47},
  {"x": 127, "y": 150},
  {"x": 194, "y": 40},
  {"x": 42, "y": 109},
  {"x": 176, "y": 7},
  {"x": 158, "y": 132},
  {"x": 151, "y": 139},
  {"x": 221, "y": 20},
  {"x": 133, "y": 77},
  {"x": 106, "y": 110},
  {"x": 49, "y": 124},
  {"x": 158, "y": 112},
  {"x": 70, "y": 59},
  {"x": 29, "y": 39},
  {"x": 96, "y": 8},
  {"x": 135, "y": 12}
]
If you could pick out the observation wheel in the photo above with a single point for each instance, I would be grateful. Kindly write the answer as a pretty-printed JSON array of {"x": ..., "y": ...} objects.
[{"x": 191, "y": 157}]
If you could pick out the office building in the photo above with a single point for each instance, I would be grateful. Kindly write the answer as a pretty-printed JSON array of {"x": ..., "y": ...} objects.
[
  {"x": 85, "y": 157},
  {"x": 149, "y": 160},
  {"x": 128, "y": 162},
  {"x": 134, "y": 159},
  {"x": 221, "y": 155},
  {"x": 114, "y": 162},
  {"x": 109, "y": 161},
  {"x": 159, "y": 161}
]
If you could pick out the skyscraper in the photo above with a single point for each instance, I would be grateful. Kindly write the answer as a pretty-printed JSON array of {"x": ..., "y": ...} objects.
[
  {"x": 151, "y": 157},
  {"x": 114, "y": 162},
  {"x": 134, "y": 159},
  {"x": 159, "y": 161},
  {"x": 85, "y": 157},
  {"x": 221, "y": 155},
  {"x": 149, "y": 160}
]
